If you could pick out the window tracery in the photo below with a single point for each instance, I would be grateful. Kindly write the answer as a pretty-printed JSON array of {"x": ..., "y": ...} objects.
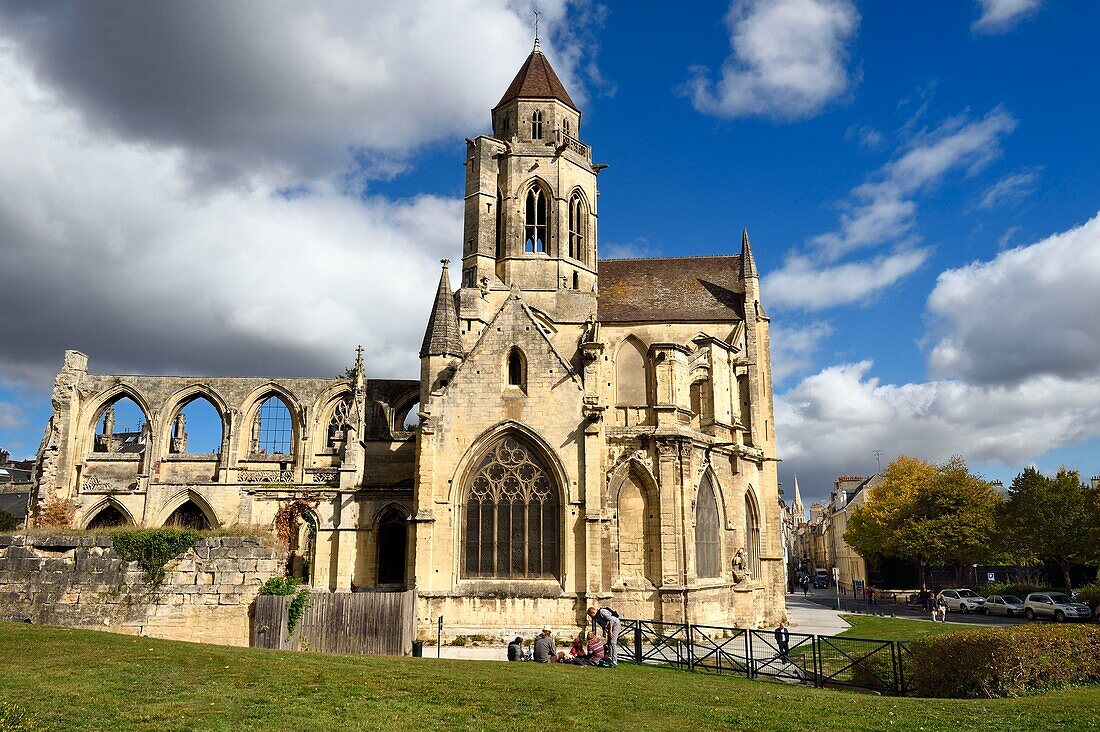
[{"x": 534, "y": 235}]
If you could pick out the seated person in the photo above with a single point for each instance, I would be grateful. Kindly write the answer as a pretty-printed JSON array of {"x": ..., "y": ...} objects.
[
  {"x": 594, "y": 651},
  {"x": 515, "y": 650},
  {"x": 577, "y": 651},
  {"x": 545, "y": 649}
]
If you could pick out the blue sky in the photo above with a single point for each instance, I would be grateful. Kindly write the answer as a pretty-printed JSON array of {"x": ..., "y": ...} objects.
[{"x": 868, "y": 147}]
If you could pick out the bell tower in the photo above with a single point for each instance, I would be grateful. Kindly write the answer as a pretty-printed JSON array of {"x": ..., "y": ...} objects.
[{"x": 530, "y": 216}]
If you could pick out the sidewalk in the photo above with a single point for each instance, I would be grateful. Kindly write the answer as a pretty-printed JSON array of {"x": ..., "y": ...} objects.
[{"x": 807, "y": 616}]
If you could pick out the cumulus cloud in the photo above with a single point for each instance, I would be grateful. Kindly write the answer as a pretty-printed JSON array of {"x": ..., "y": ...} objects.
[
  {"x": 794, "y": 347},
  {"x": 1010, "y": 189},
  {"x": 830, "y": 422},
  {"x": 1031, "y": 310},
  {"x": 881, "y": 212},
  {"x": 276, "y": 268},
  {"x": 1015, "y": 363},
  {"x": 282, "y": 90},
  {"x": 789, "y": 59},
  {"x": 1000, "y": 16}
]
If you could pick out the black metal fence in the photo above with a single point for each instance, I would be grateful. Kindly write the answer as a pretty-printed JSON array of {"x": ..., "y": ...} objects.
[{"x": 880, "y": 666}]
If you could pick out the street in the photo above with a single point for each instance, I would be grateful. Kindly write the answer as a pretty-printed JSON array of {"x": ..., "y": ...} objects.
[{"x": 827, "y": 598}]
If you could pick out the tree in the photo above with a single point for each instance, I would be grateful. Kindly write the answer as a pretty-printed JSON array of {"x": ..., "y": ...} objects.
[
  {"x": 932, "y": 514},
  {"x": 1049, "y": 518}
]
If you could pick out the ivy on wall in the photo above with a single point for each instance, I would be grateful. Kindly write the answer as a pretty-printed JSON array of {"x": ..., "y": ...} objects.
[
  {"x": 287, "y": 586},
  {"x": 153, "y": 549}
]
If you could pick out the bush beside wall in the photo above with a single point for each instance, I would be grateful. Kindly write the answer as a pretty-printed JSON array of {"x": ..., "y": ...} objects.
[{"x": 1000, "y": 662}]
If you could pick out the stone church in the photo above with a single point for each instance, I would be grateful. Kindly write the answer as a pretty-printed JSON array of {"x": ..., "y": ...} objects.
[{"x": 583, "y": 431}]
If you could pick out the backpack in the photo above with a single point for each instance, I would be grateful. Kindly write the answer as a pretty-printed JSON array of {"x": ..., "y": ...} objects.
[{"x": 615, "y": 614}]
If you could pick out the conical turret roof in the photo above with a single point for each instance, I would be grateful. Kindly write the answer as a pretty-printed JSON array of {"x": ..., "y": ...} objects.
[
  {"x": 748, "y": 264},
  {"x": 442, "y": 337},
  {"x": 536, "y": 80}
]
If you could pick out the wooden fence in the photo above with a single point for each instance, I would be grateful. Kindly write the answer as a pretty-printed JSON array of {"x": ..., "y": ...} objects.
[{"x": 377, "y": 623}]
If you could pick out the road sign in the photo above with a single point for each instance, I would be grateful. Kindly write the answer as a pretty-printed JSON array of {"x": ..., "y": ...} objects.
[{"x": 990, "y": 577}]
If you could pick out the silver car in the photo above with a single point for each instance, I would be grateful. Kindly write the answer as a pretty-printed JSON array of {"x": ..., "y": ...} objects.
[
  {"x": 1007, "y": 605},
  {"x": 1055, "y": 605},
  {"x": 962, "y": 599}
]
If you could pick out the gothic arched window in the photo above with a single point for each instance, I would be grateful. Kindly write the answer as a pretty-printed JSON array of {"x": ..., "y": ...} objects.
[
  {"x": 536, "y": 125},
  {"x": 576, "y": 226},
  {"x": 511, "y": 523},
  {"x": 707, "y": 550},
  {"x": 752, "y": 536},
  {"x": 338, "y": 425},
  {"x": 517, "y": 369},
  {"x": 534, "y": 230}
]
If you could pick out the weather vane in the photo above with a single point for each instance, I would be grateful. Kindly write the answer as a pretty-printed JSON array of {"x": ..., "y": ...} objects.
[{"x": 537, "y": 16}]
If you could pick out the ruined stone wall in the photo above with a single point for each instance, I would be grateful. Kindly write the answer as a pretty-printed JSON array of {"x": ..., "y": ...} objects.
[{"x": 79, "y": 581}]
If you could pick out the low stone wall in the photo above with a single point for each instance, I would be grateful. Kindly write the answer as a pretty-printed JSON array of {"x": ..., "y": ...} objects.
[{"x": 79, "y": 581}]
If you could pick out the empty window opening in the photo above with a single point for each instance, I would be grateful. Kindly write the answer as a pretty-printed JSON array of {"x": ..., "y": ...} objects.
[
  {"x": 576, "y": 281},
  {"x": 188, "y": 516},
  {"x": 338, "y": 424},
  {"x": 108, "y": 517},
  {"x": 120, "y": 427},
  {"x": 272, "y": 428},
  {"x": 517, "y": 369},
  {"x": 534, "y": 234},
  {"x": 407, "y": 418},
  {"x": 300, "y": 553},
  {"x": 536, "y": 125},
  {"x": 196, "y": 429}
]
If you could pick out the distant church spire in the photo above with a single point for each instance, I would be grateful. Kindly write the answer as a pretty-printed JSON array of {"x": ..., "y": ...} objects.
[
  {"x": 748, "y": 264},
  {"x": 442, "y": 336},
  {"x": 799, "y": 510}
]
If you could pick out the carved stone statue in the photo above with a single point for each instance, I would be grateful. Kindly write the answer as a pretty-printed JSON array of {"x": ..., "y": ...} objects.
[{"x": 741, "y": 571}]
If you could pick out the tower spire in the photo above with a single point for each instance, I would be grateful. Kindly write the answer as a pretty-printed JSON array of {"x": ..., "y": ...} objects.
[
  {"x": 748, "y": 264},
  {"x": 442, "y": 337},
  {"x": 537, "y": 17},
  {"x": 799, "y": 510}
]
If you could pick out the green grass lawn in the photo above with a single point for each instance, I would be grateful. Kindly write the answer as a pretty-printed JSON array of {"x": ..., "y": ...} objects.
[
  {"x": 84, "y": 680},
  {"x": 898, "y": 629}
]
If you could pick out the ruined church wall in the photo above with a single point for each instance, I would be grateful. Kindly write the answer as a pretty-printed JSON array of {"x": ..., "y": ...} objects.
[{"x": 80, "y": 581}]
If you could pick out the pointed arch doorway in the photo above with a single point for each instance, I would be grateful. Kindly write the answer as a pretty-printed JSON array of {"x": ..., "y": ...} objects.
[{"x": 393, "y": 536}]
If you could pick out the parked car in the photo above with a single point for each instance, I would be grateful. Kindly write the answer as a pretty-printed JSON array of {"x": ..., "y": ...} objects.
[
  {"x": 821, "y": 578},
  {"x": 962, "y": 600},
  {"x": 1057, "y": 605},
  {"x": 1008, "y": 605}
]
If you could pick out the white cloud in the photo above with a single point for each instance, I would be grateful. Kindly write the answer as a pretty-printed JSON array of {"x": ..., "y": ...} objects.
[
  {"x": 882, "y": 212},
  {"x": 11, "y": 417},
  {"x": 1010, "y": 189},
  {"x": 1000, "y": 16},
  {"x": 830, "y": 422},
  {"x": 1015, "y": 364},
  {"x": 789, "y": 59},
  {"x": 282, "y": 89},
  {"x": 1031, "y": 310},
  {"x": 794, "y": 346}
]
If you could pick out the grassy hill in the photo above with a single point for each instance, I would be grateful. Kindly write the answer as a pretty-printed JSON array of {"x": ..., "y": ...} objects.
[{"x": 84, "y": 680}]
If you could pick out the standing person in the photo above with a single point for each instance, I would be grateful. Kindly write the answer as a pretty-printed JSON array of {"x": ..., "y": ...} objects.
[
  {"x": 608, "y": 619},
  {"x": 805, "y": 585},
  {"x": 545, "y": 649},
  {"x": 783, "y": 640},
  {"x": 515, "y": 649}
]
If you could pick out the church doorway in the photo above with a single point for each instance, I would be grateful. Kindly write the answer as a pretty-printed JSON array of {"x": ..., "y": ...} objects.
[{"x": 393, "y": 531}]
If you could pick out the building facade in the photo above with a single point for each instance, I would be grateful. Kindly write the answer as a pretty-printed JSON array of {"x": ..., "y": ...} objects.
[{"x": 583, "y": 431}]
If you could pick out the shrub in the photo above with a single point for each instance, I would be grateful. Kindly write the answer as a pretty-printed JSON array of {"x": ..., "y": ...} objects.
[
  {"x": 153, "y": 549},
  {"x": 997, "y": 662},
  {"x": 8, "y": 521},
  {"x": 288, "y": 586},
  {"x": 1019, "y": 589},
  {"x": 1090, "y": 595},
  {"x": 57, "y": 513},
  {"x": 459, "y": 640},
  {"x": 16, "y": 719}
]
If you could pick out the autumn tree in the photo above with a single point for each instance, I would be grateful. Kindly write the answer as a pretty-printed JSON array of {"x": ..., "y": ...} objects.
[
  {"x": 932, "y": 514},
  {"x": 1050, "y": 518}
]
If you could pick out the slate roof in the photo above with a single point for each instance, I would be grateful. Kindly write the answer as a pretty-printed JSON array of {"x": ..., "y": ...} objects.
[
  {"x": 671, "y": 289},
  {"x": 536, "y": 80},
  {"x": 442, "y": 336}
]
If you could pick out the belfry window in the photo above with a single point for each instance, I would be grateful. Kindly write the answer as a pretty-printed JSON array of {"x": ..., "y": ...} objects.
[
  {"x": 534, "y": 230},
  {"x": 511, "y": 515},
  {"x": 500, "y": 226},
  {"x": 565, "y": 126},
  {"x": 536, "y": 125},
  {"x": 576, "y": 226}
]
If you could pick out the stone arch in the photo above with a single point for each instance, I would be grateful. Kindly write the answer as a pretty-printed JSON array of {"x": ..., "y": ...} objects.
[
  {"x": 511, "y": 504},
  {"x": 96, "y": 407},
  {"x": 302, "y": 546},
  {"x": 179, "y": 401},
  {"x": 391, "y": 532},
  {"x": 107, "y": 504},
  {"x": 632, "y": 373},
  {"x": 635, "y": 501},
  {"x": 185, "y": 498},
  {"x": 515, "y": 369},
  {"x": 578, "y": 218},
  {"x": 536, "y": 216},
  {"x": 251, "y": 406},
  {"x": 708, "y": 529},
  {"x": 330, "y": 428},
  {"x": 480, "y": 445},
  {"x": 753, "y": 530},
  {"x": 403, "y": 410}
]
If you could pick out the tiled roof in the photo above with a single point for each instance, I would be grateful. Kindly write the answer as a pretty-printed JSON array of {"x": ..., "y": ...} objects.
[
  {"x": 536, "y": 80},
  {"x": 672, "y": 289},
  {"x": 442, "y": 336}
]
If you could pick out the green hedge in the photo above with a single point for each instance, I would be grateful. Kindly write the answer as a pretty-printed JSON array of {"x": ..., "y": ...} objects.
[
  {"x": 998, "y": 662},
  {"x": 1020, "y": 590},
  {"x": 1090, "y": 595}
]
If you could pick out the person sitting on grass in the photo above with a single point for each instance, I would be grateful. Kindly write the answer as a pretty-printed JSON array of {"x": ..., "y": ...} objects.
[
  {"x": 545, "y": 649},
  {"x": 594, "y": 650},
  {"x": 577, "y": 650},
  {"x": 515, "y": 649}
]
